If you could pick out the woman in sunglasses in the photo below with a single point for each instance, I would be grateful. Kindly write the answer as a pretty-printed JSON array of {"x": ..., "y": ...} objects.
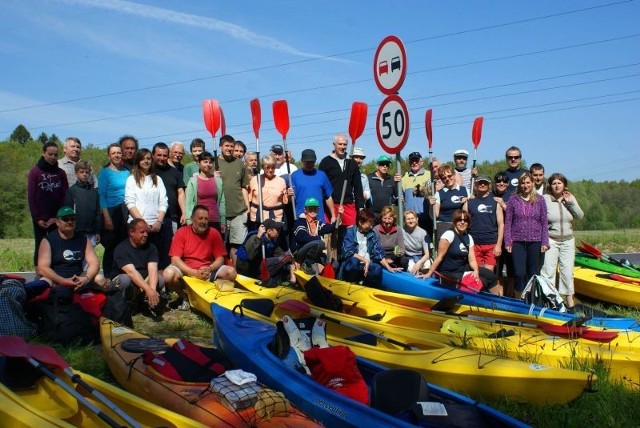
[
  {"x": 456, "y": 257},
  {"x": 448, "y": 199},
  {"x": 526, "y": 233}
]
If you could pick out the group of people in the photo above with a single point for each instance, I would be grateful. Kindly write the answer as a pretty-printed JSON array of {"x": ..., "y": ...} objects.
[{"x": 159, "y": 218}]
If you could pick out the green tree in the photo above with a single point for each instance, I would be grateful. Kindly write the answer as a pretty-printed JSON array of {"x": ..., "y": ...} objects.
[
  {"x": 20, "y": 134},
  {"x": 43, "y": 137},
  {"x": 55, "y": 139}
]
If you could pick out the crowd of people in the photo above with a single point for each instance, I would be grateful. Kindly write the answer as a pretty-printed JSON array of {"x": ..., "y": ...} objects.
[{"x": 160, "y": 217}]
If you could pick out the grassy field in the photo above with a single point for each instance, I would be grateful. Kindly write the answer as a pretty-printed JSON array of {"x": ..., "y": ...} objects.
[{"x": 612, "y": 405}]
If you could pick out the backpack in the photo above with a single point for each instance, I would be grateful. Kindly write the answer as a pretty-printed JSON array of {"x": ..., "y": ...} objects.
[
  {"x": 540, "y": 292},
  {"x": 13, "y": 321},
  {"x": 60, "y": 320}
]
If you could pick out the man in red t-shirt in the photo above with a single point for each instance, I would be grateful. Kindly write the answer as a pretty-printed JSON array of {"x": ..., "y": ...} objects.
[{"x": 198, "y": 251}]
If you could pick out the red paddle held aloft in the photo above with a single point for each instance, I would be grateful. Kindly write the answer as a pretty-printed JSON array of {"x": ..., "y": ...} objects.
[
  {"x": 281, "y": 117},
  {"x": 256, "y": 116},
  {"x": 476, "y": 134},
  {"x": 212, "y": 116},
  {"x": 358, "y": 120},
  {"x": 427, "y": 127}
]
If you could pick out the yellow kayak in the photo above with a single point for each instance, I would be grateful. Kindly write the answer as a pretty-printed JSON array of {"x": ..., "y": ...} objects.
[
  {"x": 515, "y": 342},
  {"x": 469, "y": 372},
  {"x": 46, "y": 404},
  {"x": 399, "y": 306},
  {"x": 597, "y": 285},
  {"x": 192, "y": 399}
]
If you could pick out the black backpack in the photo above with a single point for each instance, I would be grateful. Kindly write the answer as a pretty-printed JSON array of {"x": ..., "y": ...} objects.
[{"x": 62, "y": 321}]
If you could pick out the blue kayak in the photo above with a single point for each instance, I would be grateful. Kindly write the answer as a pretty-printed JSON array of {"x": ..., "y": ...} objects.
[
  {"x": 245, "y": 341},
  {"x": 405, "y": 283}
]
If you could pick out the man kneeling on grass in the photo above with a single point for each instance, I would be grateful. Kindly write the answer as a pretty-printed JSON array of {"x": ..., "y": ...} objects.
[{"x": 197, "y": 250}]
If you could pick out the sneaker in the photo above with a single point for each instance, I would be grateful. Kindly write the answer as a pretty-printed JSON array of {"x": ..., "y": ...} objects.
[{"x": 180, "y": 304}]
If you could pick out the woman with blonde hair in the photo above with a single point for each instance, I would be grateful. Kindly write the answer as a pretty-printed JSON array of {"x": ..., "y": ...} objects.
[
  {"x": 390, "y": 237},
  {"x": 274, "y": 194},
  {"x": 526, "y": 232},
  {"x": 416, "y": 244}
]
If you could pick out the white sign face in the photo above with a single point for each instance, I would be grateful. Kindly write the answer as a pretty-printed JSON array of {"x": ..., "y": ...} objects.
[
  {"x": 390, "y": 65},
  {"x": 392, "y": 124}
]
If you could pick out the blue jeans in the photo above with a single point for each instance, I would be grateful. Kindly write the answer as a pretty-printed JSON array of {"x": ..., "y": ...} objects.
[{"x": 352, "y": 270}]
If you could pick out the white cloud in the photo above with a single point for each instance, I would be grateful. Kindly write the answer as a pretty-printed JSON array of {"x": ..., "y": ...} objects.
[{"x": 171, "y": 16}]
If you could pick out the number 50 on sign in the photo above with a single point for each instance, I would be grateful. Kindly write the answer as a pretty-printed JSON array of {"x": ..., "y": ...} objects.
[{"x": 392, "y": 124}]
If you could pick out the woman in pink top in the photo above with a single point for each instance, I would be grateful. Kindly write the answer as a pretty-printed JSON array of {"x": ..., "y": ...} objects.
[
  {"x": 526, "y": 233},
  {"x": 206, "y": 189},
  {"x": 274, "y": 194}
]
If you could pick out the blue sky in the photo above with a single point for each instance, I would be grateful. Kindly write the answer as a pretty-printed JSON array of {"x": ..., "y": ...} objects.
[{"x": 561, "y": 80}]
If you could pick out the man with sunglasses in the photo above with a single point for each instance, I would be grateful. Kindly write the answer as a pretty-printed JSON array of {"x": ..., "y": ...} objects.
[
  {"x": 383, "y": 186},
  {"x": 415, "y": 184},
  {"x": 513, "y": 171},
  {"x": 63, "y": 254}
]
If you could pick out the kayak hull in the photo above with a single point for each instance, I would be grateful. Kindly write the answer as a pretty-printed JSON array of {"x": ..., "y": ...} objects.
[{"x": 597, "y": 285}]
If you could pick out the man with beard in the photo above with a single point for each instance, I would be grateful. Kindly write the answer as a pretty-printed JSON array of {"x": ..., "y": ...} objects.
[
  {"x": 46, "y": 189},
  {"x": 198, "y": 251},
  {"x": 172, "y": 179}
]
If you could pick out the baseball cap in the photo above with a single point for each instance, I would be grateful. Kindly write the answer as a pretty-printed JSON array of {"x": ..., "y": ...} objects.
[
  {"x": 359, "y": 151},
  {"x": 272, "y": 224},
  {"x": 308, "y": 155},
  {"x": 461, "y": 153},
  {"x": 65, "y": 211},
  {"x": 483, "y": 178},
  {"x": 311, "y": 202},
  {"x": 277, "y": 148},
  {"x": 383, "y": 159},
  {"x": 415, "y": 155}
]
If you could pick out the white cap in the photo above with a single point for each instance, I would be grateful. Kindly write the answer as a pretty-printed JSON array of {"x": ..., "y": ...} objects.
[
  {"x": 359, "y": 151},
  {"x": 461, "y": 152}
]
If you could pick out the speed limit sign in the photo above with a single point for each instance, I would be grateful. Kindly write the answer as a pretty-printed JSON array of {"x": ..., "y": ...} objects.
[{"x": 392, "y": 124}]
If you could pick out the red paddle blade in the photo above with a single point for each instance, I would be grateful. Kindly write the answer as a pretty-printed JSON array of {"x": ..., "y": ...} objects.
[
  {"x": 328, "y": 271},
  {"x": 281, "y": 117},
  {"x": 47, "y": 355},
  {"x": 584, "y": 332},
  {"x": 626, "y": 279},
  {"x": 476, "y": 134},
  {"x": 211, "y": 113},
  {"x": 264, "y": 272},
  {"x": 256, "y": 116},
  {"x": 295, "y": 306},
  {"x": 591, "y": 249},
  {"x": 358, "y": 120},
  {"x": 223, "y": 123},
  {"x": 427, "y": 127},
  {"x": 13, "y": 346}
]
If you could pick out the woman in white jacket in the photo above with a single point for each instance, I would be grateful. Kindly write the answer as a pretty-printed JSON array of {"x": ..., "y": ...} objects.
[
  {"x": 146, "y": 197},
  {"x": 562, "y": 209}
]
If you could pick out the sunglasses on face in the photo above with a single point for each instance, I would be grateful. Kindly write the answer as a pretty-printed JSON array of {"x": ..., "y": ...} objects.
[
  {"x": 462, "y": 220},
  {"x": 386, "y": 165},
  {"x": 68, "y": 219},
  {"x": 513, "y": 157},
  {"x": 446, "y": 177}
]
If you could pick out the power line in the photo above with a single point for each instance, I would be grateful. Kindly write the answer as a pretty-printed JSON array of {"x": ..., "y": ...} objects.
[{"x": 307, "y": 60}]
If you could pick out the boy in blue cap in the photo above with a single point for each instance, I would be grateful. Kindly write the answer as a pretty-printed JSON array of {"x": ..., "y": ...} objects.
[{"x": 308, "y": 232}]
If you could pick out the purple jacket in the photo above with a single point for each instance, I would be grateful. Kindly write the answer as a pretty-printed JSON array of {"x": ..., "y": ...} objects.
[
  {"x": 46, "y": 190},
  {"x": 526, "y": 222}
]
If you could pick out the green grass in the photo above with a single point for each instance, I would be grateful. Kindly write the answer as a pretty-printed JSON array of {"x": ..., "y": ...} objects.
[{"x": 613, "y": 405}]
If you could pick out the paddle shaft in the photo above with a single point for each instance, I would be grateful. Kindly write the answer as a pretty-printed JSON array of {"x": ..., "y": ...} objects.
[
  {"x": 364, "y": 330},
  {"x": 108, "y": 419}
]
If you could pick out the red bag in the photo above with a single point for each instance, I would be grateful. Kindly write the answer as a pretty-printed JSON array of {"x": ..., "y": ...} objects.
[
  {"x": 335, "y": 367},
  {"x": 469, "y": 284}
]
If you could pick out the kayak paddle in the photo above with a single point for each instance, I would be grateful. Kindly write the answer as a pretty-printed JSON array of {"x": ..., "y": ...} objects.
[{"x": 599, "y": 254}]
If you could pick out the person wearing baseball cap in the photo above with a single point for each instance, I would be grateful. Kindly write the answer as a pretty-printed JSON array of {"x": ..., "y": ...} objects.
[
  {"x": 310, "y": 182},
  {"x": 383, "y": 186},
  {"x": 281, "y": 165},
  {"x": 307, "y": 232},
  {"x": 415, "y": 184},
  {"x": 359, "y": 157},
  {"x": 487, "y": 227}
]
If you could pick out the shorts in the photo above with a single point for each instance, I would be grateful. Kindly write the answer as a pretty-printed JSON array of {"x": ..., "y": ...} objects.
[
  {"x": 484, "y": 254},
  {"x": 212, "y": 277},
  {"x": 237, "y": 229},
  {"x": 349, "y": 215}
]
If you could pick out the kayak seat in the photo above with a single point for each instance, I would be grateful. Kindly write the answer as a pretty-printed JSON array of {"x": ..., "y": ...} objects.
[
  {"x": 262, "y": 306},
  {"x": 17, "y": 373},
  {"x": 396, "y": 390},
  {"x": 447, "y": 304},
  {"x": 366, "y": 338}
]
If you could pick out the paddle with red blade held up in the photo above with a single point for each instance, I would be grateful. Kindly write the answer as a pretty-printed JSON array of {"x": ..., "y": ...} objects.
[
  {"x": 16, "y": 347},
  {"x": 600, "y": 255},
  {"x": 281, "y": 119},
  {"x": 212, "y": 119},
  {"x": 427, "y": 126},
  {"x": 476, "y": 135},
  {"x": 256, "y": 119}
]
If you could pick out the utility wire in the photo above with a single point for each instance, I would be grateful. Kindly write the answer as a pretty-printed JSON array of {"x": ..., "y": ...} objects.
[{"x": 307, "y": 60}]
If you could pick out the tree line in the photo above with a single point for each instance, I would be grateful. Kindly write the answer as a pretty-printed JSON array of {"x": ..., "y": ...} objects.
[{"x": 608, "y": 205}]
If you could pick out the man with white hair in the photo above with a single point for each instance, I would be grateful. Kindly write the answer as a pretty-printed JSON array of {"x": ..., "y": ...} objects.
[
  {"x": 72, "y": 148},
  {"x": 176, "y": 153},
  {"x": 358, "y": 157}
]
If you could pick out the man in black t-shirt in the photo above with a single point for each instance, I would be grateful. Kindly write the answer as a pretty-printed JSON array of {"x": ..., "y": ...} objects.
[
  {"x": 173, "y": 181},
  {"x": 136, "y": 261}
]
